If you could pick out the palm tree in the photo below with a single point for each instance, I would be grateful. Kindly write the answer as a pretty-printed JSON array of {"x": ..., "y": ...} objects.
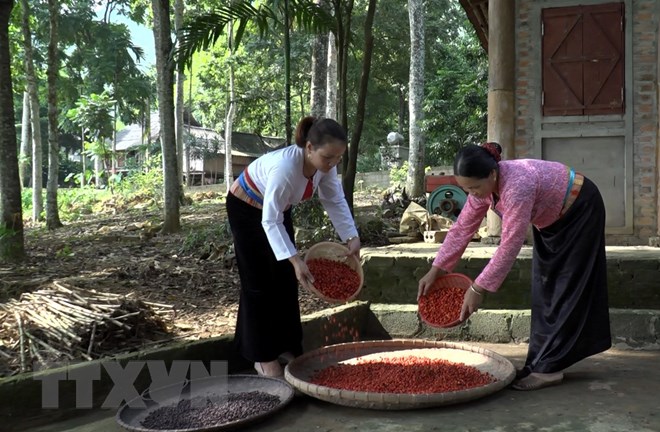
[{"x": 204, "y": 30}]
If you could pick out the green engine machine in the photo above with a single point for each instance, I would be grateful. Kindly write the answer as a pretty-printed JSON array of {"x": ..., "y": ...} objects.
[{"x": 446, "y": 198}]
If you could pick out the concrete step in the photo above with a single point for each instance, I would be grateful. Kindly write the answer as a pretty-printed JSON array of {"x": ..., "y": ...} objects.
[
  {"x": 391, "y": 275},
  {"x": 631, "y": 328}
]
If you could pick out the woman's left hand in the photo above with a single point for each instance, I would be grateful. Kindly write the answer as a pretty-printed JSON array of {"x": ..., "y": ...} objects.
[
  {"x": 471, "y": 301},
  {"x": 354, "y": 247}
]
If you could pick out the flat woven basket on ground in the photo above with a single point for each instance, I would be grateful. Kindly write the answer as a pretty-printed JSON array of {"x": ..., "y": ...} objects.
[
  {"x": 131, "y": 415},
  {"x": 301, "y": 370},
  {"x": 449, "y": 280},
  {"x": 336, "y": 252}
]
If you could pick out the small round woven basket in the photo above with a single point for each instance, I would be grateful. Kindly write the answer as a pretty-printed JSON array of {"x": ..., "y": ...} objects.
[
  {"x": 449, "y": 280},
  {"x": 336, "y": 252},
  {"x": 301, "y": 370}
]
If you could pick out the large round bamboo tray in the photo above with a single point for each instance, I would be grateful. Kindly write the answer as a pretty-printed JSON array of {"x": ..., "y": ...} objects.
[
  {"x": 300, "y": 371},
  {"x": 336, "y": 252}
]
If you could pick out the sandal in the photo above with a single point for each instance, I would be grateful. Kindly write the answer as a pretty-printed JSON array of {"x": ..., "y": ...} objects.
[
  {"x": 285, "y": 358},
  {"x": 535, "y": 381},
  {"x": 270, "y": 369}
]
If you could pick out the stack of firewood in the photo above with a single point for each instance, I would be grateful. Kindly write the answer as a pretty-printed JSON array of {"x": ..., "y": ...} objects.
[{"x": 65, "y": 323}]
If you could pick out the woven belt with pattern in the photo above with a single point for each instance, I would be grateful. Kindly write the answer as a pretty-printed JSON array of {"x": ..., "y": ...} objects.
[{"x": 575, "y": 184}]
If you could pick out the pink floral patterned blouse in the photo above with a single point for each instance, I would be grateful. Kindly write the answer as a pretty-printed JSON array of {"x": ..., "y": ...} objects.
[{"x": 530, "y": 191}]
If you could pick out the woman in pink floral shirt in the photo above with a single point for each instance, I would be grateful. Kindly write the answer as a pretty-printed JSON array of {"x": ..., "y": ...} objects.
[{"x": 570, "y": 315}]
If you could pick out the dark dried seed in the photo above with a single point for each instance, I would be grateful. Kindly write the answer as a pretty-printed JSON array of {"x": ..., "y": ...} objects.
[{"x": 203, "y": 412}]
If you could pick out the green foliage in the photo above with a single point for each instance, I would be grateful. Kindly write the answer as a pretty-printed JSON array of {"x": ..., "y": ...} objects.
[
  {"x": 399, "y": 175},
  {"x": 67, "y": 168},
  {"x": 73, "y": 203},
  {"x": 259, "y": 87},
  {"x": 369, "y": 160},
  {"x": 201, "y": 238},
  {"x": 203, "y": 30},
  {"x": 144, "y": 187},
  {"x": 145, "y": 182},
  {"x": 64, "y": 252},
  {"x": 452, "y": 51},
  {"x": 93, "y": 113},
  {"x": 310, "y": 215},
  {"x": 26, "y": 199},
  {"x": 76, "y": 178},
  {"x": 6, "y": 232},
  {"x": 458, "y": 90}
]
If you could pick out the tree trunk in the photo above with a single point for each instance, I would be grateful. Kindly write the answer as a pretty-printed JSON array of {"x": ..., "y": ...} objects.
[
  {"x": 343, "y": 12},
  {"x": 147, "y": 133},
  {"x": 26, "y": 146},
  {"x": 12, "y": 246},
  {"x": 83, "y": 159},
  {"x": 402, "y": 110},
  {"x": 35, "y": 116},
  {"x": 287, "y": 74},
  {"x": 52, "y": 212},
  {"x": 319, "y": 72},
  {"x": 231, "y": 112},
  {"x": 180, "y": 79},
  {"x": 113, "y": 155},
  {"x": 349, "y": 175},
  {"x": 331, "y": 80},
  {"x": 37, "y": 158},
  {"x": 319, "y": 75},
  {"x": 187, "y": 147},
  {"x": 165, "y": 80},
  {"x": 98, "y": 172},
  {"x": 415, "y": 179}
]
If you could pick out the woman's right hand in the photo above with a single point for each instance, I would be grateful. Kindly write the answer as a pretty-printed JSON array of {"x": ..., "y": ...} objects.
[
  {"x": 303, "y": 274},
  {"x": 427, "y": 280}
]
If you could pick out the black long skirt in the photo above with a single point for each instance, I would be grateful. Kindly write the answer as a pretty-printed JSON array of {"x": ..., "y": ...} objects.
[
  {"x": 570, "y": 312},
  {"x": 268, "y": 322}
]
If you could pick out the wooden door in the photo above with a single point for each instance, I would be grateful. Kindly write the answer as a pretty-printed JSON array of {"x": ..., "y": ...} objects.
[{"x": 583, "y": 60}]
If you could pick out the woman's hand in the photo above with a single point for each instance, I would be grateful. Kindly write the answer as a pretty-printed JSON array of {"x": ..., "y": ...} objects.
[
  {"x": 471, "y": 301},
  {"x": 427, "y": 280},
  {"x": 303, "y": 274},
  {"x": 354, "y": 246}
]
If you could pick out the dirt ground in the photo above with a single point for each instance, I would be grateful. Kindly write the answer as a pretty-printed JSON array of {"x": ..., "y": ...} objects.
[{"x": 121, "y": 251}]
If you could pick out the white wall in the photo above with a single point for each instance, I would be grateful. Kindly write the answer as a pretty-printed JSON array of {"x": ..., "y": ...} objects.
[{"x": 381, "y": 179}]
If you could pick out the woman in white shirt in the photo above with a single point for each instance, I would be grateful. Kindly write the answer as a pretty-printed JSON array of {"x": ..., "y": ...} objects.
[{"x": 259, "y": 206}]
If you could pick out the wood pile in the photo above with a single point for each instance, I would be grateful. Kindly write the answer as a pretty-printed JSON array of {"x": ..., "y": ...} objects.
[{"x": 62, "y": 323}]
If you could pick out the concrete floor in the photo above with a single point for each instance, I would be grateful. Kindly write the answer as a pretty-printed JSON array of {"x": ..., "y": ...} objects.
[{"x": 615, "y": 391}]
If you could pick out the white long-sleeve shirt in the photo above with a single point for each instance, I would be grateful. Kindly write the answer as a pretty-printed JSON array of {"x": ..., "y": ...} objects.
[{"x": 278, "y": 176}]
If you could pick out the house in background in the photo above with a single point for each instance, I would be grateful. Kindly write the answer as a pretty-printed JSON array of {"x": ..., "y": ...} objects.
[
  {"x": 207, "y": 152},
  {"x": 578, "y": 82},
  {"x": 204, "y": 150}
]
